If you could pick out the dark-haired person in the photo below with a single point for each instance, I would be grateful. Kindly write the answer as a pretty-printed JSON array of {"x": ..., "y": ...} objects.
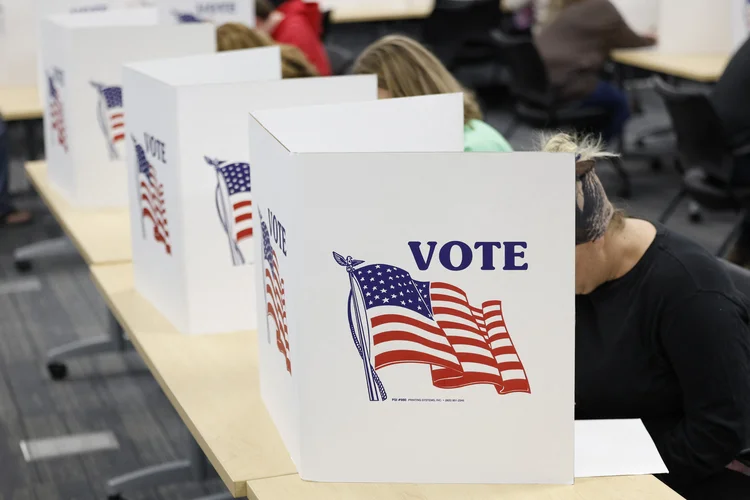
[
  {"x": 662, "y": 335},
  {"x": 575, "y": 44},
  {"x": 297, "y": 23},
  {"x": 9, "y": 215}
]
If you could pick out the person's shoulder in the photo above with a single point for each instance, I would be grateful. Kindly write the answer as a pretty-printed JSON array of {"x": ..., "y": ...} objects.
[
  {"x": 687, "y": 267},
  {"x": 480, "y": 136}
]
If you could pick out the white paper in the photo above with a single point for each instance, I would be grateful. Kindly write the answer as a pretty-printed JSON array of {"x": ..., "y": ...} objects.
[{"x": 615, "y": 448}]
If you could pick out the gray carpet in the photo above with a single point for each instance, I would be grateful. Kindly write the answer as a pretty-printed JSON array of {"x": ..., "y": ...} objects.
[{"x": 116, "y": 392}]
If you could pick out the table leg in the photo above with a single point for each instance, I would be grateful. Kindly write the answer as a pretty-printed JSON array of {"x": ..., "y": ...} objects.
[
  {"x": 196, "y": 468},
  {"x": 114, "y": 341},
  {"x": 57, "y": 247}
]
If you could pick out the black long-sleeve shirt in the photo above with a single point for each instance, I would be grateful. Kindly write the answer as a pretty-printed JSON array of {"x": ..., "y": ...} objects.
[{"x": 669, "y": 342}]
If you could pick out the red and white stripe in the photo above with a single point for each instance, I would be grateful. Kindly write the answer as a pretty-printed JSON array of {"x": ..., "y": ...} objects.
[
  {"x": 276, "y": 306},
  {"x": 242, "y": 208},
  {"x": 117, "y": 125},
  {"x": 153, "y": 207},
  {"x": 58, "y": 123}
]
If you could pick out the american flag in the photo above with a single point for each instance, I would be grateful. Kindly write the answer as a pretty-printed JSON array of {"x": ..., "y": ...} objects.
[
  {"x": 275, "y": 295},
  {"x": 56, "y": 114},
  {"x": 233, "y": 203},
  {"x": 186, "y": 17},
  {"x": 151, "y": 193},
  {"x": 433, "y": 323},
  {"x": 111, "y": 116}
]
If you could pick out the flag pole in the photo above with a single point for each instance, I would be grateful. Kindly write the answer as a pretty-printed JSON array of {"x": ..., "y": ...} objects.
[
  {"x": 221, "y": 207},
  {"x": 360, "y": 329}
]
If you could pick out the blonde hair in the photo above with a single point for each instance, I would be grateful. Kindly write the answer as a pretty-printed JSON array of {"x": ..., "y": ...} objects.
[
  {"x": 588, "y": 149},
  {"x": 405, "y": 68},
  {"x": 237, "y": 36}
]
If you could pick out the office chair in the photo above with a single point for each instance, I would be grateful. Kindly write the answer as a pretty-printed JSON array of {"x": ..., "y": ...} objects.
[
  {"x": 707, "y": 161},
  {"x": 539, "y": 104},
  {"x": 455, "y": 30}
]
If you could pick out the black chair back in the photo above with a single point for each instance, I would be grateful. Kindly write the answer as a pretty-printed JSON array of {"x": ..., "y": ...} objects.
[
  {"x": 700, "y": 134},
  {"x": 453, "y": 23},
  {"x": 528, "y": 73},
  {"x": 325, "y": 25},
  {"x": 740, "y": 277}
]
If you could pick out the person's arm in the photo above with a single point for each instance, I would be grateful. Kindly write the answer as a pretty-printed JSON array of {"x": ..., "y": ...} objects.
[
  {"x": 621, "y": 36},
  {"x": 707, "y": 341}
]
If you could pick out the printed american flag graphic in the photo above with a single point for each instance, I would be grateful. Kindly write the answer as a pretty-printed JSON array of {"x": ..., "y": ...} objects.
[
  {"x": 275, "y": 296},
  {"x": 151, "y": 194},
  {"x": 56, "y": 114},
  {"x": 110, "y": 115},
  {"x": 186, "y": 17},
  {"x": 234, "y": 203},
  {"x": 431, "y": 323}
]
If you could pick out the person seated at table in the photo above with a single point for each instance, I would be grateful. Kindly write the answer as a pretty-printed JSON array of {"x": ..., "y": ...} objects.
[
  {"x": 9, "y": 214},
  {"x": 237, "y": 36},
  {"x": 297, "y": 23},
  {"x": 539, "y": 12},
  {"x": 731, "y": 100},
  {"x": 406, "y": 69},
  {"x": 661, "y": 334},
  {"x": 575, "y": 46}
]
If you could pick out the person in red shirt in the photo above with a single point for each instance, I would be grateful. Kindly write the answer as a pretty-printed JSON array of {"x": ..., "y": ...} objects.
[{"x": 297, "y": 23}]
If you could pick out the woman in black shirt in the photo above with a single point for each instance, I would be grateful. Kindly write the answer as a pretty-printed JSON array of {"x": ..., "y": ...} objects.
[{"x": 661, "y": 334}]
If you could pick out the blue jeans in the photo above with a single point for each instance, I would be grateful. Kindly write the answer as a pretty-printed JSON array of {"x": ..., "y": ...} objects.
[
  {"x": 5, "y": 205},
  {"x": 615, "y": 101}
]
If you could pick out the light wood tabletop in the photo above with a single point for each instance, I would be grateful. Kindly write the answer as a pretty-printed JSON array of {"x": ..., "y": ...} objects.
[
  {"x": 605, "y": 488},
  {"x": 705, "y": 68},
  {"x": 211, "y": 380},
  {"x": 380, "y": 10},
  {"x": 20, "y": 103},
  {"x": 101, "y": 236}
]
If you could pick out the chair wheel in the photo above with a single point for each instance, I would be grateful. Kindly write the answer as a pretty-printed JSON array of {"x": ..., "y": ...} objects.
[
  {"x": 695, "y": 216},
  {"x": 22, "y": 265},
  {"x": 58, "y": 371},
  {"x": 116, "y": 496},
  {"x": 656, "y": 165}
]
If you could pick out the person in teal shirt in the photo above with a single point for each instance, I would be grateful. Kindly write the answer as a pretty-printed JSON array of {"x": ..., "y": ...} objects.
[{"x": 405, "y": 68}]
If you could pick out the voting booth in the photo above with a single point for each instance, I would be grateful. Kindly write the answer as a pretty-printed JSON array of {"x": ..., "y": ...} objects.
[
  {"x": 84, "y": 124},
  {"x": 702, "y": 27},
  {"x": 416, "y": 302},
  {"x": 641, "y": 15},
  {"x": 191, "y": 196},
  {"x": 20, "y": 22},
  {"x": 214, "y": 11}
]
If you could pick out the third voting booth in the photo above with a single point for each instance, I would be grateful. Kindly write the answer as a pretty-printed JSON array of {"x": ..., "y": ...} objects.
[
  {"x": 702, "y": 27},
  {"x": 416, "y": 303},
  {"x": 84, "y": 118},
  {"x": 191, "y": 195},
  {"x": 215, "y": 11}
]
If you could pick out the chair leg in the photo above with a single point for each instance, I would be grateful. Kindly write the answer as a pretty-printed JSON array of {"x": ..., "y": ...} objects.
[
  {"x": 625, "y": 190},
  {"x": 667, "y": 213},
  {"x": 732, "y": 237}
]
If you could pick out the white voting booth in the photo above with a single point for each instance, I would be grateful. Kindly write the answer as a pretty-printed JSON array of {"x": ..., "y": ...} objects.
[
  {"x": 84, "y": 117},
  {"x": 701, "y": 26},
  {"x": 20, "y": 22},
  {"x": 190, "y": 184},
  {"x": 641, "y": 15},
  {"x": 417, "y": 324},
  {"x": 215, "y": 11}
]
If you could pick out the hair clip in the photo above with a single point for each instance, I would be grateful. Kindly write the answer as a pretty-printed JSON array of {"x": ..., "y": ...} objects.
[{"x": 578, "y": 156}]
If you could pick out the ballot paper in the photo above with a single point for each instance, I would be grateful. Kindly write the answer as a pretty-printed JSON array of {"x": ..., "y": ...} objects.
[{"x": 615, "y": 448}]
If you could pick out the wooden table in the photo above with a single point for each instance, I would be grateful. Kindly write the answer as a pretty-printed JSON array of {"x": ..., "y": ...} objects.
[
  {"x": 614, "y": 488},
  {"x": 20, "y": 103},
  {"x": 380, "y": 10},
  {"x": 101, "y": 236},
  {"x": 211, "y": 380},
  {"x": 705, "y": 68}
]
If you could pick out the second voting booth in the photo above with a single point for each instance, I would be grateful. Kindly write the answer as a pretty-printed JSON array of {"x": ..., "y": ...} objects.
[
  {"x": 191, "y": 189},
  {"x": 214, "y": 11},
  {"x": 84, "y": 119},
  {"x": 416, "y": 303}
]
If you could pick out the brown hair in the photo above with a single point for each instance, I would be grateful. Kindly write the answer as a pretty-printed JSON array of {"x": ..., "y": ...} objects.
[
  {"x": 263, "y": 9},
  {"x": 405, "y": 68},
  {"x": 237, "y": 36}
]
